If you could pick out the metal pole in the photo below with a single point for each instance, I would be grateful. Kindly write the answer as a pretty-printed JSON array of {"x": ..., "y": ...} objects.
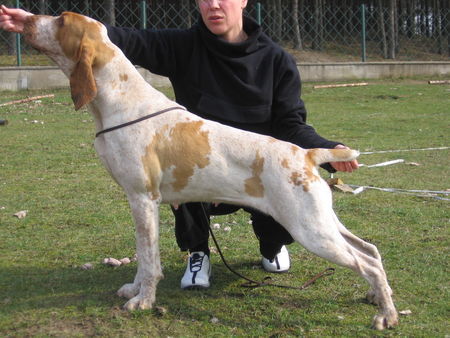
[
  {"x": 363, "y": 33},
  {"x": 258, "y": 13},
  {"x": 18, "y": 44},
  {"x": 143, "y": 14}
]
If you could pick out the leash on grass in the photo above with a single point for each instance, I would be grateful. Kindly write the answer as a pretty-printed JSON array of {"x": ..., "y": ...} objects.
[{"x": 266, "y": 281}]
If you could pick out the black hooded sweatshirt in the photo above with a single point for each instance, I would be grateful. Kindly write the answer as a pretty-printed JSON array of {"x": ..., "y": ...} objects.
[{"x": 252, "y": 85}]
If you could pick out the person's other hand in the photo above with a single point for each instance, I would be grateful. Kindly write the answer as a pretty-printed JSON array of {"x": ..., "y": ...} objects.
[{"x": 13, "y": 19}]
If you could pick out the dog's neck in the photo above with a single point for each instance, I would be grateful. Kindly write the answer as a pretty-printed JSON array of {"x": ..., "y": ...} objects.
[{"x": 123, "y": 94}]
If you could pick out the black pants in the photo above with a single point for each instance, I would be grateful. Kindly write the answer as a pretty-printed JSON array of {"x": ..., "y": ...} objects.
[{"x": 191, "y": 227}]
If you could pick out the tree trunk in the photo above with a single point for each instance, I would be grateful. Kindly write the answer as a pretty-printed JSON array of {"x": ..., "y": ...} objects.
[
  {"x": 86, "y": 8},
  {"x": 42, "y": 6},
  {"x": 391, "y": 50},
  {"x": 410, "y": 21},
  {"x": 317, "y": 40},
  {"x": 12, "y": 45},
  {"x": 278, "y": 20},
  {"x": 185, "y": 8},
  {"x": 110, "y": 14},
  {"x": 297, "y": 36},
  {"x": 438, "y": 18},
  {"x": 446, "y": 25},
  {"x": 382, "y": 28}
]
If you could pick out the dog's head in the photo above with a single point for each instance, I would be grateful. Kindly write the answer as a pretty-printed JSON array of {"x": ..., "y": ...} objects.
[{"x": 78, "y": 45}]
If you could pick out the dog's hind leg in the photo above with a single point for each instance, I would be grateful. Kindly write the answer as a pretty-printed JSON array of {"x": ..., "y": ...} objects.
[
  {"x": 364, "y": 247},
  {"x": 329, "y": 239},
  {"x": 146, "y": 218}
]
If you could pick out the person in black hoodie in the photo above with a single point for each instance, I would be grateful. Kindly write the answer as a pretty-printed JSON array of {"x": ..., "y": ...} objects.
[{"x": 223, "y": 68}]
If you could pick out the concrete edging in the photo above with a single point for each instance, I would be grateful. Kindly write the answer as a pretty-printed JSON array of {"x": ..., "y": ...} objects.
[
  {"x": 311, "y": 72},
  {"x": 19, "y": 78}
]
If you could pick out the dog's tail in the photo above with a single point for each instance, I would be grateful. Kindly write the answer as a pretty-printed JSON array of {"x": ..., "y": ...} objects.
[{"x": 319, "y": 156}]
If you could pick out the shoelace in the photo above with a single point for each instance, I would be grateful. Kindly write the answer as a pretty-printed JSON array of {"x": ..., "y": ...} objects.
[{"x": 196, "y": 262}]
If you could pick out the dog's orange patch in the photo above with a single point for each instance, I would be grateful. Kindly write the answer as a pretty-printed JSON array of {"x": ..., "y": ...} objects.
[
  {"x": 75, "y": 33},
  {"x": 183, "y": 148},
  {"x": 296, "y": 178},
  {"x": 310, "y": 164},
  {"x": 81, "y": 41},
  {"x": 123, "y": 77},
  {"x": 285, "y": 163},
  {"x": 253, "y": 185}
]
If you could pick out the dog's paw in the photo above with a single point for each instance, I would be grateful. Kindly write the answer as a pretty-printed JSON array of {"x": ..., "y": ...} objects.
[
  {"x": 138, "y": 303},
  {"x": 128, "y": 290},
  {"x": 385, "y": 320}
]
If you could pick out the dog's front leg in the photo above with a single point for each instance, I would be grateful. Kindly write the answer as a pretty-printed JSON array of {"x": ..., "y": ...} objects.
[{"x": 146, "y": 218}]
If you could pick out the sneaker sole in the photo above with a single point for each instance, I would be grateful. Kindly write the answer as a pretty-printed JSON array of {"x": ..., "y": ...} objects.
[
  {"x": 195, "y": 287},
  {"x": 282, "y": 271}
]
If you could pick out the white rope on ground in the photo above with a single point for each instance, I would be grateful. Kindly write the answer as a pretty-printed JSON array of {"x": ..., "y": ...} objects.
[
  {"x": 414, "y": 192},
  {"x": 400, "y": 150},
  {"x": 382, "y": 164},
  {"x": 419, "y": 193}
]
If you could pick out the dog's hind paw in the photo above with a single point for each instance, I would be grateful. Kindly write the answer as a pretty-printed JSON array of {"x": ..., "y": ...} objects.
[
  {"x": 138, "y": 303},
  {"x": 128, "y": 290},
  {"x": 385, "y": 320}
]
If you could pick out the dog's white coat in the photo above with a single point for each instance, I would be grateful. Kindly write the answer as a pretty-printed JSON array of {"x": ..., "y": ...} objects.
[{"x": 178, "y": 157}]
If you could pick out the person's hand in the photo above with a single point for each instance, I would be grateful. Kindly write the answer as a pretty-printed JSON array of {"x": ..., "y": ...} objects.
[
  {"x": 344, "y": 166},
  {"x": 13, "y": 19}
]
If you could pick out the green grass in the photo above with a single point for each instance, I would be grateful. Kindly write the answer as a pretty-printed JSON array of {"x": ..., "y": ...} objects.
[
  {"x": 77, "y": 214},
  {"x": 26, "y": 59}
]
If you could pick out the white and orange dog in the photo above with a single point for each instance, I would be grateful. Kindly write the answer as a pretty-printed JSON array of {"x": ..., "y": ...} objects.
[{"x": 177, "y": 157}]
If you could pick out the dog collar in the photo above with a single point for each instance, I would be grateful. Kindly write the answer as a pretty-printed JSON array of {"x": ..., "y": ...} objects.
[{"x": 137, "y": 120}]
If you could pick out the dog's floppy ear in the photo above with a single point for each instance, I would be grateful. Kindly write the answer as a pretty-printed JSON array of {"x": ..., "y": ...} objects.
[{"x": 82, "y": 82}]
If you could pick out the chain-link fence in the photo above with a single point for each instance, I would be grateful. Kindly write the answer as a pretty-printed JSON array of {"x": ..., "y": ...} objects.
[{"x": 312, "y": 30}]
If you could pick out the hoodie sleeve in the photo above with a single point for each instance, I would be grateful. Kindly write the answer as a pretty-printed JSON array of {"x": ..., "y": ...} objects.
[
  {"x": 159, "y": 51},
  {"x": 290, "y": 113},
  {"x": 289, "y": 123}
]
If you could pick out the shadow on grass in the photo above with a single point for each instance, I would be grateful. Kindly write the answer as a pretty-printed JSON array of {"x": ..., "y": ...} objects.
[
  {"x": 77, "y": 293},
  {"x": 25, "y": 288}
]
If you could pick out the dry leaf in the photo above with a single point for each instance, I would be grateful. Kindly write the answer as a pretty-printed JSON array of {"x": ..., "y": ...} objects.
[
  {"x": 343, "y": 188},
  {"x": 334, "y": 181}
]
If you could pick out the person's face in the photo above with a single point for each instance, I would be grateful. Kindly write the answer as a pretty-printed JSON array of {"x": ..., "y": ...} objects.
[{"x": 223, "y": 17}]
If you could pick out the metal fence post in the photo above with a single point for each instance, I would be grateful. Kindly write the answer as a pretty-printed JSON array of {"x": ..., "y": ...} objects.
[
  {"x": 18, "y": 45},
  {"x": 258, "y": 13},
  {"x": 363, "y": 33},
  {"x": 143, "y": 14}
]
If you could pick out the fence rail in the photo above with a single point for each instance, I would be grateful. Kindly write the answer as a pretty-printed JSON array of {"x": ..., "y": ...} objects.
[{"x": 312, "y": 30}]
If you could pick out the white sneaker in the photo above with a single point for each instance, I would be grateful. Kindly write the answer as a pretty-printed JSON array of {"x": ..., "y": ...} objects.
[
  {"x": 281, "y": 262},
  {"x": 197, "y": 271}
]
